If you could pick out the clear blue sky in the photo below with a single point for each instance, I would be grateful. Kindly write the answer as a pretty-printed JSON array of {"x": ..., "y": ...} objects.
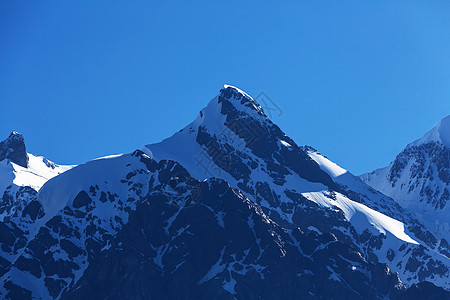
[{"x": 357, "y": 81}]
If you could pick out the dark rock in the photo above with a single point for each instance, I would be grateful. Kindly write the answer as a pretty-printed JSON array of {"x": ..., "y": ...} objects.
[
  {"x": 16, "y": 292},
  {"x": 424, "y": 291},
  {"x": 34, "y": 210},
  {"x": 82, "y": 199},
  {"x": 13, "y": 148}
]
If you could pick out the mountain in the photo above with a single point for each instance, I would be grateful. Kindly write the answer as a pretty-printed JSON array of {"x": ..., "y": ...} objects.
[
  {"x": 234, "y": 140},
  {"x": 21, "y": 176},
  {"x": 13, "y": 149},
  {"x": 419, "y": 179},
  {"x": 228, "y": 207}
]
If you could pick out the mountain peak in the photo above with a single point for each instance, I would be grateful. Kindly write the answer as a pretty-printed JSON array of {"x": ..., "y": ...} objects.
[
  {"x": 242, "y": 101},
  {"x": 229, "y": 88},
  {"x": 234, "y": 124},
  {"x": 14, "y": 149},
  {"x": 440, "y": 133},
  {"x": 444, "y": 130},
  {"x": 15, "y": 136}
]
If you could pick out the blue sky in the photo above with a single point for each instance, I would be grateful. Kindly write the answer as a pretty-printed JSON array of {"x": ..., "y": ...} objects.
[{"x": 357, "y": 81}]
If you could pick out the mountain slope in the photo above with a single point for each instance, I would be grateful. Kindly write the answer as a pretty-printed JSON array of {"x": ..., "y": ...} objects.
[
  {"x": 234, "y": 140},
  {"x": 419, "y": 179},
  {"x": 21, "y": 176},
  {"x": 148, "y": 226},
  {"x": 229, "y": 207}
]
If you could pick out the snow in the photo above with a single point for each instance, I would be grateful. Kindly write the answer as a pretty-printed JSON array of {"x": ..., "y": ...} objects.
[
  {"x": 105, "y": 175},
  {"x": 25, "y": 278},
  {"x": 312, "y": 228},
  {"x": 59, "y": 191},
  {"x": 360, "y": 215},
  {"x": 408, "y": 188},
  {"x": 333, "y": 276},
  {"x": 6, "y": 175},
  {"x": 230, "y": 285},
  {"x": 326, "y": 165},
  {"x": 440, "y": 133},
  {"x": 437, "y": 220},
  {"x": 109, "y": 171},
  {"x": 380, "y": 218},
  {"x": 182, "y": 147},
  {"x": 37, "y": 173},
  {"x": 375, "y": 200},
  {"x": 237, "y": 89},
  {"x": 215, "y": 269},
  {"x": 191, "y": 155},
  {"x": 257, "y": 112},
  {"x": 286, "y": 144},
  {"x": 378, "y": 215},
  {"x": 108, "y": 156},
  {"x": 220, "y": 215}
]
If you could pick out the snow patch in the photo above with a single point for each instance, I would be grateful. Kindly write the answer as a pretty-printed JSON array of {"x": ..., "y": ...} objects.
[
  {"x": 360, "y": 215},
  {"x": 440, "y": 133},
  {"x": 326, "y": 165}
]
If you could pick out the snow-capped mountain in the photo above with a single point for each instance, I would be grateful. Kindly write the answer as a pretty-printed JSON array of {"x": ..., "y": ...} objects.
[
  {"x": 234, "y": 140},
  {"x": 22, "y": 174},
  {"x": 229, "y": 207},
  {"x": 419, "y": 179}
]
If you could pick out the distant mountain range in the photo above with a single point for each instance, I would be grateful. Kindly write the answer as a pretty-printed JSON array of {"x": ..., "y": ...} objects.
[{"x": 229, "y": 207}]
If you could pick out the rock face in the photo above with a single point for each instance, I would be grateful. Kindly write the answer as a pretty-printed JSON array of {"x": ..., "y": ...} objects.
[
  {"x": 159, "y": 228},
  {"x": 229, "y": 208},
  {"x": 13, "y": 148},
  {"x": 21, "y": 176},
  {"x": 232, "y": 139},
  {"x": 231, "y": 250},
  {"x": 419, "y": 179}
]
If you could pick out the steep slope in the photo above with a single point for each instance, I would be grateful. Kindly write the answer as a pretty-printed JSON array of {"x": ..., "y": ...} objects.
[
  {"x": 132, "y": 228},
  {"x": 419, "y": 179},
  {"x": 21, "y": 176},
  {"x": 13, "y": 149},
  {"x": 229, "y": 207},
  {"x": 234, "y": 140}
]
